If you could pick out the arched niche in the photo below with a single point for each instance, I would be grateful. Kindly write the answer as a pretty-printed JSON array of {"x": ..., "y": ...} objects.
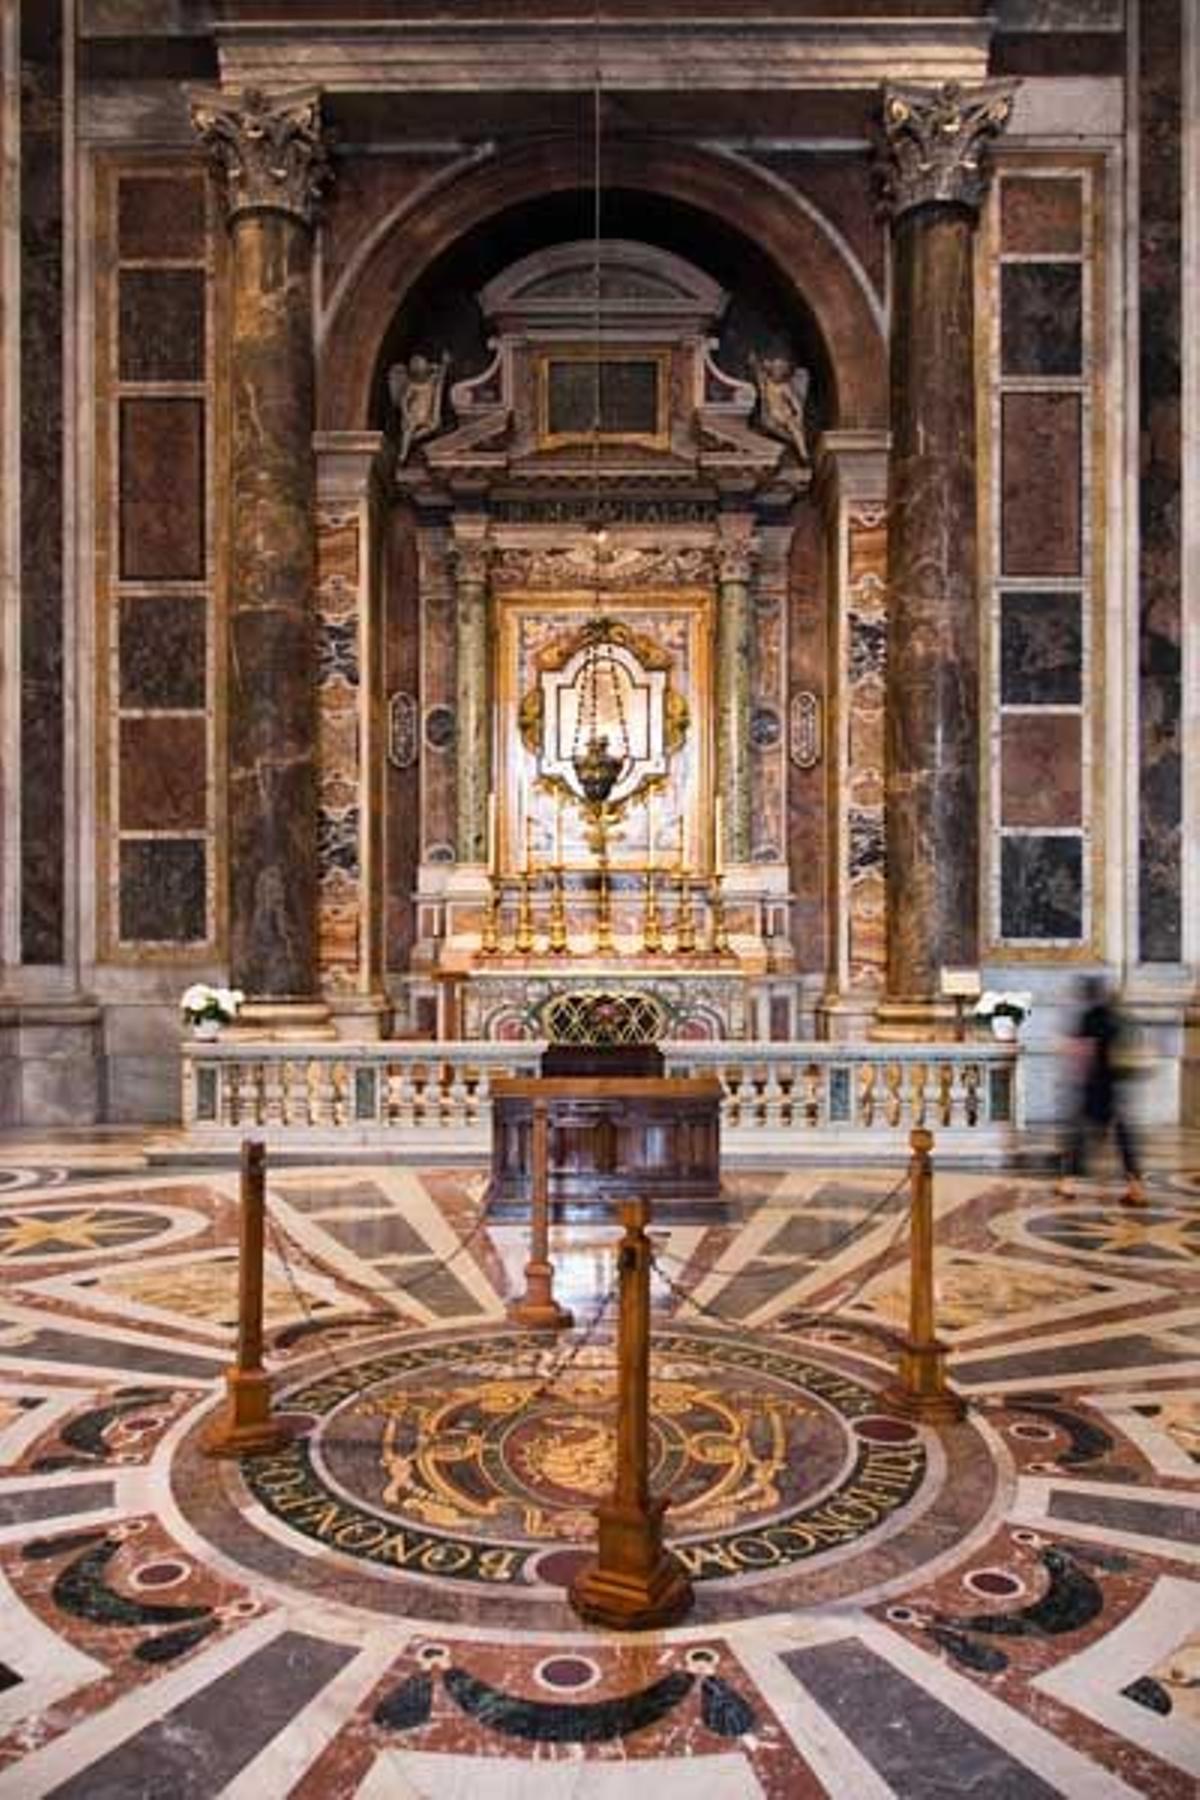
[{"x": 745, "y": 204}]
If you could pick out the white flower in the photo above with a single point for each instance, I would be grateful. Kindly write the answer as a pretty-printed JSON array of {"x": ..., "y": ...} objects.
[
  {"x": 196, "y": 997},
  {"x": 1004, "y": 1002}
]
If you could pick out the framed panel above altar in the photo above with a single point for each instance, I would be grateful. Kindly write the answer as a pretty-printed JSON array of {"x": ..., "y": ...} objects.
[{"x": 666, "y": 707}]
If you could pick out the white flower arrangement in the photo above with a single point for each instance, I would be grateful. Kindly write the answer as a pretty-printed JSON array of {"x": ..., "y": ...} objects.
[
  {"x": 1003, "y": 1003},
  {"x": 218, "y": 1004}
]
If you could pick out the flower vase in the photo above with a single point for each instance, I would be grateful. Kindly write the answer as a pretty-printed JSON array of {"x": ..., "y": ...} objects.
[
  {"x": 206, "y": 1031},
  {"x": 1004, "y": 1028}
]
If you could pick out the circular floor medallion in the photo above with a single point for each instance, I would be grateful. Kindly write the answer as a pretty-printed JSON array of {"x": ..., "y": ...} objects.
[{"x": 471, "y": 1462}]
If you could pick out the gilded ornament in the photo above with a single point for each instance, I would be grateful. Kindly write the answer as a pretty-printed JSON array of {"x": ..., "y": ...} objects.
[
  {"x": 267, "y": 151},
  {"x": 936, "y": 147}
]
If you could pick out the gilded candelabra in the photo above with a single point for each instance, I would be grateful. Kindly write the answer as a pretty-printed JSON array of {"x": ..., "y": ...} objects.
[
  {"x": 490, "y": 939},
  {"x": 558, "y": 913},
  {"x": 685, "y": 915},
  {"x": 720, "y": 931},
  {"x": 652, "y": 938}
]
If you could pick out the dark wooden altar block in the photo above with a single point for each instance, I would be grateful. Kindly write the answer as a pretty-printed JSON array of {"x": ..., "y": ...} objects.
[{"x": 611, "y": 1139}]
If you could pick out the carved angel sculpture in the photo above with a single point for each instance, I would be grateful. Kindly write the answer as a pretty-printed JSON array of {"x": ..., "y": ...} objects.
[
  {"x": 782, "y": 393},
  {"x": 416, "y": 390}
]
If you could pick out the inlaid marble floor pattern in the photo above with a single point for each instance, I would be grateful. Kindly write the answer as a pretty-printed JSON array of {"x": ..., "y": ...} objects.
[{"x": 1006, "y": 1606}]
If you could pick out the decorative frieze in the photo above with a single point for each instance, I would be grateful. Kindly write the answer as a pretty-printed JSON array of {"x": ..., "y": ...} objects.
[{"x": 617, "y": 564}]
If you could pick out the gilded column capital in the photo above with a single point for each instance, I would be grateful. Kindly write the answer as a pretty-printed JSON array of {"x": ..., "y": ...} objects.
[
  {"x": 268, "y": 151},
  {"x": 936, "y": 142}
]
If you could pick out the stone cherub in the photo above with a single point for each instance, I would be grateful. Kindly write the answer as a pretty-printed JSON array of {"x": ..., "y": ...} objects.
[
  {"x": 415, "y": 389},
  {"x": 782, "y": 395}
]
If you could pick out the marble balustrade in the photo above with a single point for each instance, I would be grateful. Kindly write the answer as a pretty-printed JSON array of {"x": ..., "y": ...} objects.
[{"x": 780, "y": 1099}]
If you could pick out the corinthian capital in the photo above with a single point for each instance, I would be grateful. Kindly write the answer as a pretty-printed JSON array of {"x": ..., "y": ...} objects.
[
  {"x": 937, "y": 142},
  {"x": 267, "y": 150}
]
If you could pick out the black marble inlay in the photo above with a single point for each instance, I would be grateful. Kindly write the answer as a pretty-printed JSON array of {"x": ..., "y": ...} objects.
[
  {"x": 1041, "y": 318},
  {"x": 162, "y": 890},
  {"x": 42, "y": 770},
  {"x": 1041, "y": 887},
  {"x": 439, "y": 727},
  {"x": 9, "y": 1678},
  {"x": 163, "y": 640},
  {"x": 1041, "y": 649},
  {"x": 564, "y": 1721},
  {"x": 1143, "y": 1518},
  {"x": 337, "y": 841},
  {"x": 161, "y": 330}
]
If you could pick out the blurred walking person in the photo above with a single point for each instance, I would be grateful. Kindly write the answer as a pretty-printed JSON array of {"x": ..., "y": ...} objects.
[{"x": 1094, "y": 1049}]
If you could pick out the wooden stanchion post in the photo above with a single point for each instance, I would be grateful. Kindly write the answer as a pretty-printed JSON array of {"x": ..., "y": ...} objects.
[
  {"x": 634, "y": 1584},
  {"x": 245, "y": 1426},
  {"x": 537, "y": 1309},
  {"x": 921, "y": 1389}
]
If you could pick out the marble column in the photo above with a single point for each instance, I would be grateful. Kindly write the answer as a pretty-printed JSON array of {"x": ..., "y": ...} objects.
[
  {"x": 935, "y": 169},
  {"x": 735, "y": 558},
  {"x": 473, "y": 734},
  {"x": 270, "y": 163}
]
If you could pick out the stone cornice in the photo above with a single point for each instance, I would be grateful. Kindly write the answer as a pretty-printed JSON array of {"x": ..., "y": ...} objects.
[{"x": 636, "y": 55}]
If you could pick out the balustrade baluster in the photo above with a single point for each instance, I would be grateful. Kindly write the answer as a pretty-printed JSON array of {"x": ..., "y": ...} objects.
[
  {"x": 918, "y": 1077},
  {"x": 456, "y": 1093},
  {"x": 945, "y": 1099},
  {"x": 893, "y": 1076},
  {"x": 866, "y": 1093}
]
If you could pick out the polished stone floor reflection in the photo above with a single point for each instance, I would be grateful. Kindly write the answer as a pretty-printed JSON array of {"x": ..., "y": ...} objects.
[{"x": 1010, "y": 1605}]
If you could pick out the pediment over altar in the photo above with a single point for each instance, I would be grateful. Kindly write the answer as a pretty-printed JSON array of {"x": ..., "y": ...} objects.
[{"x": 603, "y": 371}]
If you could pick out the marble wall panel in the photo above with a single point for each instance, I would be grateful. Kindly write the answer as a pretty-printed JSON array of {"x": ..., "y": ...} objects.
[
  {"x": 160, "y": 216},
  {"x": 339, "y": 763},
  {"x": 162, "y": 781},
  {"x": 767, "y": 706},
  {"x": 1041, "y": 484},
  {"x": 162, "y": 477},
  {"x": 808, "y": 663},
  {"x": 1041, "y": 318},
  {"x": 1041, "y": 215},
  {"x": 1160, "y": 227},
  {"x": 438, "y": 690},
  {"x": 1041, "y": 648},
  {"x": 163, "y": 890},
  {"x": 161, "y": 325},
  {"x": 1041, "y": 780},
  {"x": 43, "y": 749},
  {"x": 1041, "y": 888},
  {"x": 163, "y": 650},
  {"x": 157, "y": 799},
  {"x": 865, "y": 833},
  {"x": 402, "y": 790}
]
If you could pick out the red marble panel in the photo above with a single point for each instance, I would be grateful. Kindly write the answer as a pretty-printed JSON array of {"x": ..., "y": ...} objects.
[
  {"x": 1040, "y": 216},
  {"x": 163, "y": 767},
  {"x": 1041, "y": 484},
  {"x": 160, "y": 217},
  {"x": 162, "y": 490},
  {"x": 1041, "y": 769}
]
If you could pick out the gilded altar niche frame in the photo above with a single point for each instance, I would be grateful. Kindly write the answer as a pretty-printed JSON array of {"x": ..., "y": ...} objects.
[
  {"x": 687, "y": 790},
  {"x": 552, "y": 436}
]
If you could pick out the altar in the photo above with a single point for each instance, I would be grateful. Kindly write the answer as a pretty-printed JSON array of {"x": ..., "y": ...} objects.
[{"x": 610, "y": 1139}]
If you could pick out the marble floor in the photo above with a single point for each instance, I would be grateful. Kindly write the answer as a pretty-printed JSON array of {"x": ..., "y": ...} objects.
[{"x": 1003, "y": 1606}]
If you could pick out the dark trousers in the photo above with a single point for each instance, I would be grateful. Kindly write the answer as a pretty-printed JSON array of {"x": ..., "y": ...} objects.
[{"x": 1098, "y": 1114}]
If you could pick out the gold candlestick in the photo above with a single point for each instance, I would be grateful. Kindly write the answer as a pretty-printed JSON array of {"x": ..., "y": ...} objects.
[
  {"x": 604, "y": 932},
  {"x": 685, "y": 918},
  {"x": 558, "y": 914},
  {"x": 720, "y": 933},
  {"x": 652, "y": 941},
  {"x": 523, "y": 942}
]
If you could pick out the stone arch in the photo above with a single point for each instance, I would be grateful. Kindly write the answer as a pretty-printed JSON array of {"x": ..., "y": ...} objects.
[{"x": 786, "y": 228}]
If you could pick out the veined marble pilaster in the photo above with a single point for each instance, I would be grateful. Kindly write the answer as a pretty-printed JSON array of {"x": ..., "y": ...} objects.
[
  {"x": 852, "y": 486},
  {"x": 935, "y": 172},
  {"x": 350, "y": 754},
  {"x": 736, "y": 549},
  {"x": 269, "y": 161},
  {"x": 473, "y": 743}
]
